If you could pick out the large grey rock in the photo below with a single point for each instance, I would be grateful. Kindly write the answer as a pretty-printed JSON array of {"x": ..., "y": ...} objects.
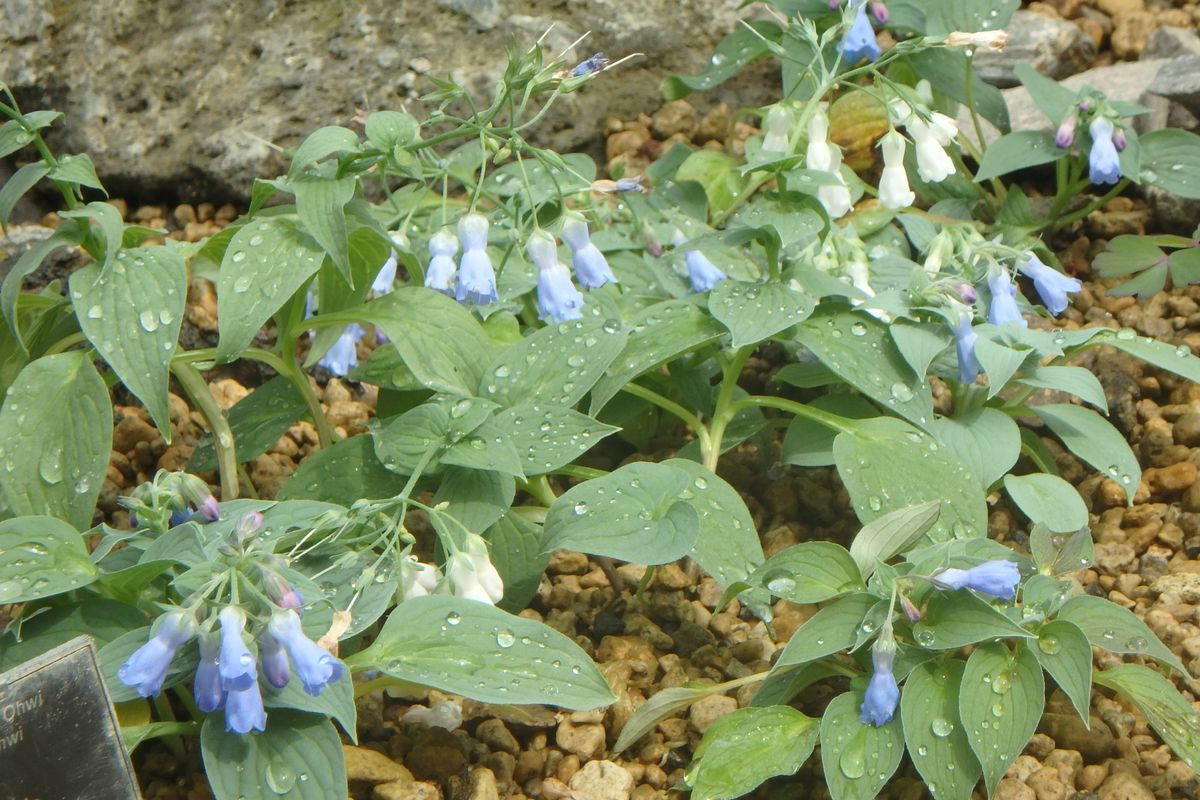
[
  {"x": 193, "y": 99},
  {"x": 1167, "y": 42},
  {"x": 1179, "y": 80},
  {"x": 1054, "y": 47}
]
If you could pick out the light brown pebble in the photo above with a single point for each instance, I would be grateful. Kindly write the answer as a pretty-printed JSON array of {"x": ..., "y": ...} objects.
[
  {"x": 370, "y": 766},
  {"x": 1047, "y": 785},
  {"x": 1172, "y": 479},
  {"x": 496, "y": 735},
  {"x": 707, "y": 710},
  {"x": 670, "y": 576},
  {"x": 1040, "y": 746},
  {"x": 1013, "y": 789},
  {"x": 586, "y": 741},
  {"x": 406, "y": 790},
  {"x": 1091, "y": 776},
  {"x": 1124, "y": 786},
  {"x": 602, "y": 780}
]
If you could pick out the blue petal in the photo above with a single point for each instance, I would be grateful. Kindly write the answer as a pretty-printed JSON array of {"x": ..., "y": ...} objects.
[
  {"x": 591, "y": 267},
  {"x": 235, "y": 661},
  {"x": 476, "y": 278},
  {"x": 244, "y": 710},
  {"x": 557, "y": 298},
  {"x": 702, "y": 273},
  {"x": 859, "y": 41}
]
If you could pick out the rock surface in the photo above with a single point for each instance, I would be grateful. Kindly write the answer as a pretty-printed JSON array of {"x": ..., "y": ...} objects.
[
  {"x": 183, "y": 100},
  {"x": 1053, "y": 47}
]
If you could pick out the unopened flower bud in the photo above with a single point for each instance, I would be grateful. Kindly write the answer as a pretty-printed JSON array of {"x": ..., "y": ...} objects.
[
  {"x": 1065, "y": 134},
  {"x": 911, "y": 611},
  {"x": 250, "y": 522},
  {"x": 991, "y": 40}
]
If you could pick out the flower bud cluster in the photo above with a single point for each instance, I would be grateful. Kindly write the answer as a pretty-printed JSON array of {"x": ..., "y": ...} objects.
[{"x": 469, "y": 573}]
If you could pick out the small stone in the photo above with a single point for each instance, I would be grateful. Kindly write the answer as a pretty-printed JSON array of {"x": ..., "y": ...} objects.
[
  {"x": 1131, "y": 33},
  {"x": 1184, "y": 584},
  {"x": 370, "y": 766},
  {"x": 483, "y": 785},
  {"x": 1124, "y": 786},
  {"x": 1169, "y": 42},
  {"x": 1115, "y": 558},
  {"x": 1012, "y": 789},
  {"x": 406, "y": 790},
  {"x": 1068, "y": 733},
  {"x": 496, "y": 735},
  {"x": 436, "y": 754},
  {"x": 1054, "y": 47},
  {"x": 602, "y": 780},
  {"x": 707, "y": 710},
  {"x": 1091, "y": 776},
  {"x": 585, "y": 740},
  {"x": 1172, "y": 479},
  {"x": 1047, "y": 785},
  {"x": 677, "y": 116},
  {"x": 1186, "y": 430}
]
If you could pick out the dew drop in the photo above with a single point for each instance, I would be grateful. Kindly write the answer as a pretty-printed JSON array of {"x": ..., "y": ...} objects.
[
  {"x": 942, "y": 727},
  {"x": 148, "y": 320},
  {"x": 453, "y": 618},
  {"x": 581, "y": 508},
  {"x": 505, "y": 638}
]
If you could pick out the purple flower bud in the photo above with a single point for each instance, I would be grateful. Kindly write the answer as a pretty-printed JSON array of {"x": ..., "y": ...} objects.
[
  {"x": 589, "y": 65},
  {"x": 315, "y": 667},
  {"x": 966, "y": 292},
  {"x": 882, "y": 695},
  {"x": 1066, "y": 132},
  {"x": 235, "y": 661},
  {"x": 1085, "y": 106},
  {"x": 244, "y": 710},
  {"x": 1052, "y": 286},
  {"x": 911, "y": 611},
  {"x": 652, "y": 243},
  {"x": 1118, "y": 138},
  {"x": 881, "y": 13},
  {"x": 998, "y": 578},
  {"x": 246, "y": 527},
  {"x": 146, "y": 669},
  {"x": 207, "y": 686},
  {"x": 634, "y": 184},
  {"x": 274, "y": 662}
]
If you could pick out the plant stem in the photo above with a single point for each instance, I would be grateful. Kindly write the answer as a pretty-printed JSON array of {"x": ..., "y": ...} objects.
[
  {"x": 193, "y": 383},
  {"x": 651, "y": 396},
  {"x": 1057, "y": 223},
  {"x": 289, "y": 367},
  {"x": 731, "y": 370},
  {"x": 831, "y": 421}
]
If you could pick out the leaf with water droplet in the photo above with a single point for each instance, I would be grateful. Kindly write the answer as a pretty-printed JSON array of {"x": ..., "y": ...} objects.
[
  {"x": 857, "y": 757},
  {"x": 516, "y": 552},
  {"x": 343, "y": 473},
  {"x": 998, "y": 743},
  {"x": 1169, "y": 714},
  {"x": 137, "y": 344},
  {"x": 1064, "y": 651},
  {"x": 945, "y": 761},
  {"x": 756, "y": 311},
  {"x": 1097, "y": 616},
  {"x": 809, "y": 572},
  {"x": 742, "y": 749},
  {"x": 571, "y": 434},
  {"x": 415, "y": 645},
  {"x": 1094, "y": 439},
  {"x": 258, "y": 420},
  {"x": 959, "y": 618},
  {"x": 39, "y": 557},
  {"x": 834, "y": 627},
  {"x": 1048, "y": 500},
  {"x": 299, "y": 751}
]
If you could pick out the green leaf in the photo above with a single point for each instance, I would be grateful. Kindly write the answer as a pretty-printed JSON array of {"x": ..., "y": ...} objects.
[
  {"x": 659, "y": 706},
  {"x": 556, "y": 365},
  {"x": 14, "y": 136},
  {"x": 1051, "y": 98},
  {"x": 1018, "y": 150},
  {"x": 516, "y": 552},
  {"x": 321, "y": 206},
  {"x": 954, "y": 619},
  {"x": 857, "y": 758},
  {"x": 487, "y": 447},
  {"x": 659, "y": 333},
  {"x": 1116, "y": 629},
  {"x": 937, "y": 742},
  {"x": 1171, "y": 716},
  {"x": 40, "y": 557},
  {"x": 999, "y": 361},
  {"x": 17, "y": 185},
  {"x": 1063, "y": 650},
  {"x": 498, "y": 658},
  {"x": 77, "y": 169},
  {"x": 986, "y": 440},
  {"x": 859, "y": 349},
  {"x": 416, "y": 319},
  {"x": 343, "y": 473},
  {"x": 336, "y": 700},
  {"x": 55, "y": 439},
  {"x": 892, "y": 533},
  {"x": 134, "y": 735},
  {"x": 1126, "y": 254},
  {"x": 321, "y": 143},
  {"x": 1095, "y": 440},
  {"x": 1056, "y": 554},
  {"x": 757, "y": 311},
  {"x": 746, "y": 44},
  {"x": 833, "y": 628},
  {"x": 127, "y": 584},
  {"x": 970, "y": 15},
  {"x": 919, "y": 344},
  {"x": 475, "y": 497},
  {"x": 1177, "y": 358},
  {"x": 809, "y": 572},
  {"x": 258, "y": 420},
  {"x": 1184, "y": 266},
  {"x": 1078, "y": 381},
  {"x": 635, "y": 513},
  {"x": 132, "y": 314},
  {"x": 387, "y": 129},
  {"x": 807, "y": 443},
  {"x": 267, "y": 262},
  {"x": 1006, "y": 691},
  {"x": 1048, "y": 499},
  {"x": 887, "y": 464},
  {"x": 1171, "y": 160},
  {"x": 299, "y": 756},
  {"x": 550, "y": 437},
  {"x": 108, "y": 218},
  {"x": 718, "y": 173},
  {"x": 742, "y": 749},
  {"x": 99, "y": 617},
  {"x": 727, "y": 546}
]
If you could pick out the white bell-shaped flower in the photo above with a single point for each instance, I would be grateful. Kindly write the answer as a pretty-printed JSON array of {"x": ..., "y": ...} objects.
[{"x": 894, "y": 191}]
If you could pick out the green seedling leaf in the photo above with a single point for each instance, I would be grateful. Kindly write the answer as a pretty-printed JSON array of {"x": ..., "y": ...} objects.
[
  {"x": 933, "y": 731},
  {"x": 1171, "y": 716},
  {"x": 882, "y": 538},
  {"x": 743, "y": 749},
  {"x": 1049, "y": 500},
  {"x": 299, "y": 756},
  {"x": 754, "y": 312},
  {"x": 40, "y": 557},
  {"x": 1116, "y": 629},
  {"x": 1000, "y": 703},
  {"x": 986, "y": 440},
  {"x": 954, "y": 619},
  {"x": 1063, "y": 650},
  {"x": 857, "y": 758},
  {"x": 1018, "y": 150},
  {"x": 809, "y": 572},
  {"x": 833, "y": 628},
  {"x": 1095, "y": 440},
  {"x": 548, "y": 437},
  {"x": 744, "y": 45},
  {"x": 516, "y": 551}
]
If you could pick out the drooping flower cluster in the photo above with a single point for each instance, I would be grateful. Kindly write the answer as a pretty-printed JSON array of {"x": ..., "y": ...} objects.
[
  {"x": 343, "y": 355},
  {"x": 557, "y": 298},
  {"x": 997, "y": 578},
  {"x": 931, "y": 132},
  {"x": 227, "y": 675},
  {"x": 469, "y": 573},
  {"x": 171, "y": 499},
  {"x": 476, "y": 276}
]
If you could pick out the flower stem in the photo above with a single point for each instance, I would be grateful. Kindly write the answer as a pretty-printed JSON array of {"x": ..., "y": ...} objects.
[{"x": 193, "y": 383}]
